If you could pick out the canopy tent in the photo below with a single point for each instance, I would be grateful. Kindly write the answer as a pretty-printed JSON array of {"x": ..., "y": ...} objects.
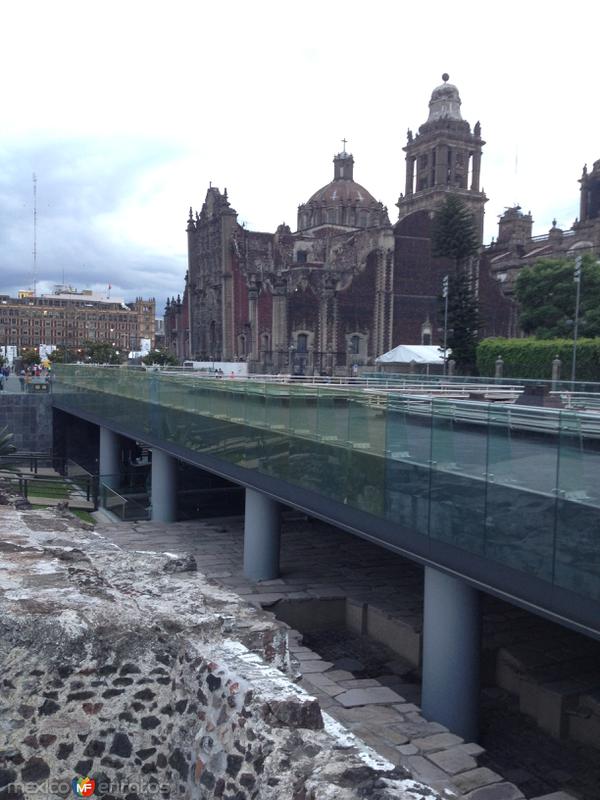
[{"x": 419, "y": 353}]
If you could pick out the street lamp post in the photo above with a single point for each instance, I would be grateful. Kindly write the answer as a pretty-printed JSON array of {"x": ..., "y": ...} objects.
[
  {"x": 445, "y": 292},
  {"x": 577, "y": 279}
]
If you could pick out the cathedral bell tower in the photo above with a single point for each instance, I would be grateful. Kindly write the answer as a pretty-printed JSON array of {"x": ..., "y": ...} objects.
[{"x": 444, "y": 158}]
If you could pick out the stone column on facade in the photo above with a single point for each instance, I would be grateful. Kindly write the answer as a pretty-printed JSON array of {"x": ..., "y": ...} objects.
[
  {"x": 253, "y": 320},
  {"x": 279, "y": 329},
  {"x": 333, "y": 328},
  {"x": 379, "y": 312},
  {"x": 441, "y": 165},
  {"x": 323, "y": 310},
  {"x": 410, "y": 175},
  {"x": 389, "y": 262},
  {"x": 476, "y": 170}
]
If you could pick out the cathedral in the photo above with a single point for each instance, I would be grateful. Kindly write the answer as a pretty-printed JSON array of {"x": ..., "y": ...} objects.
[{"x": 348, "y": 284}]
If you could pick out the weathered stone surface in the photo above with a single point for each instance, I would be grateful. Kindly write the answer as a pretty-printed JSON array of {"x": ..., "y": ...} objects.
[
  {"x": 439, "y": 741},
  {"x": 496, "y": 791},
  {"x": 184, "y": 563},
  {"x": 118, "y": 668},
  {"x": 363, "y": 697},
  {"x": 555, "y": 796},
  {"x": 476, "y": 778},
  {"x": 35, "y": 770},
  {"x": 453, "y": 760},
  {"x": 294, "y": 714}
]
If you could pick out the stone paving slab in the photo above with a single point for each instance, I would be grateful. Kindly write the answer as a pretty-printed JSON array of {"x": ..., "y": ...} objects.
[
  {"x": 453, "y": 760},
  {"x": 476, "y": 778},
  {"x": 496, "y": 791},
  {"x": 368, "y": 697}
]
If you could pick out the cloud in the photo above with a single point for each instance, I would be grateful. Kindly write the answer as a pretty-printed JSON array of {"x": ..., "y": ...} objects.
[{"x": 83, "y": 188}]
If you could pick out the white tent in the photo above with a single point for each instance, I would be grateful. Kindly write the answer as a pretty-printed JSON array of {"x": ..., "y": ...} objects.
[{"x": 419, "y": 353}]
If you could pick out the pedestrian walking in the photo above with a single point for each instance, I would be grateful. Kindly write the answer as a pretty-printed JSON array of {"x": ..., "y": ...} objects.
[{"x": 22, "y": 379}]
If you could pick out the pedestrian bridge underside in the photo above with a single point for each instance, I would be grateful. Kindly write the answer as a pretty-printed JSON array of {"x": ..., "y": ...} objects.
[{"x": 506, "y": 497}]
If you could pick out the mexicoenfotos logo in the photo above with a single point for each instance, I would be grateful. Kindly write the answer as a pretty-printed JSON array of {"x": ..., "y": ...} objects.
[{"x": 83, "y": 787}]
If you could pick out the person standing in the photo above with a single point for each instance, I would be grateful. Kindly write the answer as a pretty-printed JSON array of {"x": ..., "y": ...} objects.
[{"x": 22, "y": 379}]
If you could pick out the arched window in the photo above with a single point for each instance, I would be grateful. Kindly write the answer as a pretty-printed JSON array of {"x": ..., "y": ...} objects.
[{"x": 264, "y": 342}]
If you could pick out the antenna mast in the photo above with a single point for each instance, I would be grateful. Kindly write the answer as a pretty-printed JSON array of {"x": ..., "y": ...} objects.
[{"x": 34, "y": 234}]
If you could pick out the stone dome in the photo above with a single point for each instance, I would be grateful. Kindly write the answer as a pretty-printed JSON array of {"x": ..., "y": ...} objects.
[
  {"x": 341, "y": 202},
  {"x": 445, "y": 101}
]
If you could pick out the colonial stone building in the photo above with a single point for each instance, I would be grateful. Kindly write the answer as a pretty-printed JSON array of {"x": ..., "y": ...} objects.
[
  {"x": 69, "y": 318},
  {"x": 346, "y": 285},
  {"x": 516, "y": 248}
]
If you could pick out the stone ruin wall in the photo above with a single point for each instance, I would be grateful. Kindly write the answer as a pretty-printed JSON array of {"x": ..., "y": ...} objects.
[{"x": 135, "y": 670}]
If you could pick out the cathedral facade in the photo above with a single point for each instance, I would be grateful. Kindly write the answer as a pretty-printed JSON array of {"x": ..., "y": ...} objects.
[{"x": 347, "y": 285}]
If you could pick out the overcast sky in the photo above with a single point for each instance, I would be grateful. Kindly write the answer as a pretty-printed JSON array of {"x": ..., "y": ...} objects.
[{"x": 126, "y": 110}]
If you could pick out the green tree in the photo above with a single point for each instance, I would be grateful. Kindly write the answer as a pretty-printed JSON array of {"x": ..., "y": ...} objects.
[
  {"x": 63, "y": 355},
  {"x": 30, "y": 355},
  {"x": 161, "y": 357},
  {"x": 103, "y": 353},
  {"x": 454, "y": 235},
  {"x": 546, "y": 294},
  {"x": 463, "y": 323}
]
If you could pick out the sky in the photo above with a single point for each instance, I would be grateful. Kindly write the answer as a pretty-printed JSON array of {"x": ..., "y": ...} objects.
[{"x": 126, "y": 111}]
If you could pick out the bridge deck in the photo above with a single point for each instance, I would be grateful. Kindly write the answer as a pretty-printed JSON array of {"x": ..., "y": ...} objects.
[{"x": 505, "y": 495}]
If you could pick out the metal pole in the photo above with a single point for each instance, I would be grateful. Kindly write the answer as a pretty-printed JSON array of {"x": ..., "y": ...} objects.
[
  {"x": 577, "y": 279},
  {"x": 445, "y": 296}
]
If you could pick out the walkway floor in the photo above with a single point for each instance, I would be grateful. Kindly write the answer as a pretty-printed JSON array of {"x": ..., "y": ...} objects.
[{"x": 323, "y": 564}]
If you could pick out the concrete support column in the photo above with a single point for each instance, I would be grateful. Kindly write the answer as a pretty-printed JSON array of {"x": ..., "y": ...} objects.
[
  {"x": 164, "y": 487},
  {"x": 261, "y": 537},
  {"x": 451, "y": 653},
  {"x": 109, "y": 465}
]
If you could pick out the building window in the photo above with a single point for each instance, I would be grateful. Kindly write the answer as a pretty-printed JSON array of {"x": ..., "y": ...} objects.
[
  {"x": 302, "y": 343},
  {"x": 301, "y": 256},
  {"x": 355, "y": 344},
  {"x": 426, "y": 333}
]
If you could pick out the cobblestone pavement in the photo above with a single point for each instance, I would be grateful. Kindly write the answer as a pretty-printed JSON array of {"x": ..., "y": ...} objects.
[{"x": 319, "y": 562}]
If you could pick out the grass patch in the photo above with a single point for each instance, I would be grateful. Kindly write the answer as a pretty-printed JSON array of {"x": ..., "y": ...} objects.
[
  {"x": 57, "y": 490},
  {"x": 84, "y": 516}
]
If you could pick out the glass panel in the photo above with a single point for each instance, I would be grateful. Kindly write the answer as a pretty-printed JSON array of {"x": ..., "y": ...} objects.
[
  {"x": 366, "y": 438},
  {"x": 521, "y": 499},
  {"x": 577, "y": 565},
  {"x": 458, "y": 486},
  {"x": 408, "y": 445}
]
